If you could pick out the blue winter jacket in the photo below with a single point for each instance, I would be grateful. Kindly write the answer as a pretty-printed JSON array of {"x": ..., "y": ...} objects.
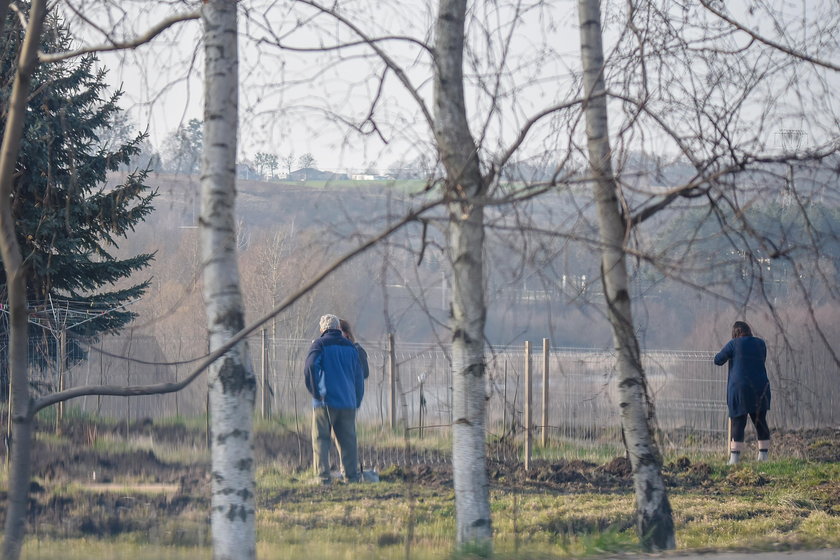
[
  {"x": 333, "y": 372},
  {"x": 747, "y": 387}
]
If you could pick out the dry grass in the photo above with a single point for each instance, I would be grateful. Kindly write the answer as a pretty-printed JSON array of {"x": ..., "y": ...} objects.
[
  {"x": 787, "y": 504},
  {"x": 777, "y": 505}
]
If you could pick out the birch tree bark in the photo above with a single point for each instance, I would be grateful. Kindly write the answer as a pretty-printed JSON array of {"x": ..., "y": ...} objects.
[
  {"x": 231, "y": 380},
  {"x": 654, "y": 522},
  {"x": 20, "y": 401},
  {"x": 465, "y": 189}
]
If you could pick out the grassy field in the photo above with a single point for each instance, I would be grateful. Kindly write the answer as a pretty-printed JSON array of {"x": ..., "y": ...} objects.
[
  {"x": 154, "y": 503},
  {"x": 782, "y": 504}
]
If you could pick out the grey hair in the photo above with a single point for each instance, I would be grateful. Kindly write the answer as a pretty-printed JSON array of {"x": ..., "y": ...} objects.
[{"x": 329, "y": 322}]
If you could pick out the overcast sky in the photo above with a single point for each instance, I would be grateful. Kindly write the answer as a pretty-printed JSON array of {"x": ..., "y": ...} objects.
[{"x": 303, "y": 102}]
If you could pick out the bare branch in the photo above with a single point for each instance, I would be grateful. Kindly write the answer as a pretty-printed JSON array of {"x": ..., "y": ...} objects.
[
  {"x": 21, "y": 16},
  {"x": 348, "y": 44},
  {"x": 761, "y": 39},
  {"x": 162, "y": 388},
  {"x": 396, "y": 68},
  {"x": 121, "y": 45},
  {"x": 523, "y": 132}
]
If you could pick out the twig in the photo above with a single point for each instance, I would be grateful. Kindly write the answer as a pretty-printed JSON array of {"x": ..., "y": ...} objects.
[{"x": 121, "y": 45}]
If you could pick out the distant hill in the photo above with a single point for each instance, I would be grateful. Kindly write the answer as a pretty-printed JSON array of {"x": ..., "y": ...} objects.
[
  {"x": 335, "y": 202},
  {"x": 312, "y": 174}
]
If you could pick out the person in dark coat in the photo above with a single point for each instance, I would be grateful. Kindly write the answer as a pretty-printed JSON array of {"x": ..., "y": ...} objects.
[
  {"x": 747, "y": 389},
  {"x": 334, "y": 378},
  {"x": 363, "y": 357}
]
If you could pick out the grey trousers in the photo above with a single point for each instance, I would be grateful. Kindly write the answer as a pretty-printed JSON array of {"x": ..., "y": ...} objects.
[{"x": 341, "y": 422}]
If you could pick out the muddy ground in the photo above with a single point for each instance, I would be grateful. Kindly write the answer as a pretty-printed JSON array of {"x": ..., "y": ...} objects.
[{"x": 72, "y": 458}]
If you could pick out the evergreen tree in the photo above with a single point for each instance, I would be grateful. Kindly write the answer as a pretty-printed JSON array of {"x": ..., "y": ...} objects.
[
  {"x": 184, "y": 147},
  {"x": 68, "y": 218}
]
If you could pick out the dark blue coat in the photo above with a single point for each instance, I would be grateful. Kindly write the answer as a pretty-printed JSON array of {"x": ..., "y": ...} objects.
[
  {"x": 333, "y": 372},
  {"x": 363, "y": 359},
  {"x": 747, "y": 387}
]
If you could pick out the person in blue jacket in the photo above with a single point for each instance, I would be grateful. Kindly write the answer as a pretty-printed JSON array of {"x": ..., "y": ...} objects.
[
  {"x": 747, "y": 389},
  {"x": 333, "y": 376}
]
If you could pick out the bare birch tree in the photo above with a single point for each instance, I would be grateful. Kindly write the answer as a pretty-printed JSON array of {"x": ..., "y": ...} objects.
[
  {"x": 714, "y": 84},
  {"x": 232, "y": 384},
  {"x": 719, "y": 86},
  {"x": 23, "y": 407},
  {"x": 466, "y": 191},
  {"x": 232, "y": 381},
  {"x": 654, "y": 522},
  {"x": 20, "y": 402}
]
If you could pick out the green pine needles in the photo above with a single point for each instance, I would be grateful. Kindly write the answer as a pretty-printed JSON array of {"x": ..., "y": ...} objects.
[{"x": 69, "y": 218}]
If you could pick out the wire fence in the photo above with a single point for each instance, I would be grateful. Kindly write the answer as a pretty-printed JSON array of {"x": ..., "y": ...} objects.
[{"x": 573, "y": 393}]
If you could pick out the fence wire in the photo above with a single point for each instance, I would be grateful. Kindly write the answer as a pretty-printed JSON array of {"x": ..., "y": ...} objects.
[{"x": 688, "y": 391}]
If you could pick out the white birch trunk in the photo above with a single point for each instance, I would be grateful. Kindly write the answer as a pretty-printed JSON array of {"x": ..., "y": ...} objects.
[
  {"x": 20, "y": 401},
  {"x": 231, "y": 380},
  {"x": 465, "y": 187},
  {"x": 655, "y": 524}
]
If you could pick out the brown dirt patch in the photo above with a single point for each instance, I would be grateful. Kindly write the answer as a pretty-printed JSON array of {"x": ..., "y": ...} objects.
[
  {"x": 108, "y": 513},
  {"x": 428, "y": 475},
  {"x": 571, "y": 475},
  {"x": 822, "y": 445},
  {"x": 683, "y": 473},
  {"x": 141, "y": 488},
  {"x": 828, "y": 497},
  {"x": 620, "y": 466},
  {"x": 746, "y": 476},
  {"x": 61, "y": 462}
]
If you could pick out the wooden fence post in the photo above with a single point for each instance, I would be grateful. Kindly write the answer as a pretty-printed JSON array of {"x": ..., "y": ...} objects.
[
  {"x": 392, "y": 382},
  {"x": 265, "y": 403},
  {"x": 545, "y": 393},
  {"x": 62, "y": 361},
  {"x": 505, "y": 406},
  {"x": 528, "y": 412},
  {"x": 207, "y": 434}
]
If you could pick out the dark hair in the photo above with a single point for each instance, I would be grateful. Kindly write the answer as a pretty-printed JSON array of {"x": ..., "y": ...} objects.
[
  {"x": 345, "y": 328},
  {"x": 740, "y": 328}
]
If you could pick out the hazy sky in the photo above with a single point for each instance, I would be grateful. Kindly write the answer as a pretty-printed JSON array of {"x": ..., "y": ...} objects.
[{"x": 309, "y": 102}]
